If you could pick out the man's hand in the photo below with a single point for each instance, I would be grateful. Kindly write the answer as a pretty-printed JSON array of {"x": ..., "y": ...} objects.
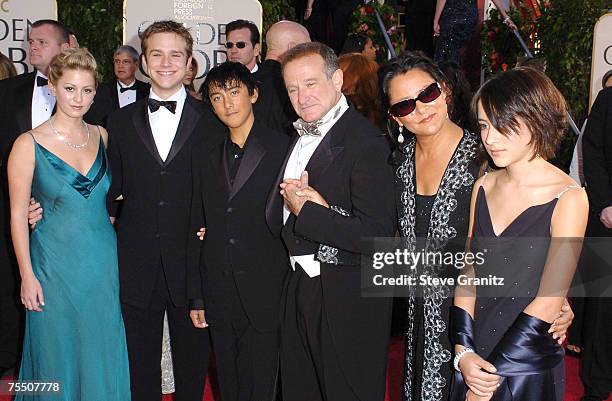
[
  {"x": 34, "y": 213},
  {"x": 475, "y": 373},
  {"x": 201, "y": 232},
  {"x": 562, "y": 323},
  {"x": 606, "y": 217},
  {"x": 198, "y": 318},
  {"x": 289, "y": 189},
  {"x": 312, "y": 195}
]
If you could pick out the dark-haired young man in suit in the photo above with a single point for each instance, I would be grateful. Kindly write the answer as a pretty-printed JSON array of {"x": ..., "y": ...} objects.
[
  {"x": 333, "y": 340},
  {"x": 27, "y": 103},
  {"x": 243, "y": 263},
  {"x": 125, "y": 89},
  {"x": 150, "y": 144}
]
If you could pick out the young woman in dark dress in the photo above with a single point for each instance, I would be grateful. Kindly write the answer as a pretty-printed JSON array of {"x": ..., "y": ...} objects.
[{"x": 524, "y": 214}]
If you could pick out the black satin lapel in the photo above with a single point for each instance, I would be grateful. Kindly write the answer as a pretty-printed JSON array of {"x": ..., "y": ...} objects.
[
  {"x": 115, "y": 96},
  {"x": 23, "y": 104},
  {"x": 322, "y": 159},
  {"x": 141, "y": 123},
  {"x": 224, "y": 167},
  {"x": 253, "y": 154},
  {"x": 274, "y": 198},
  {"x": 188, "y": 121}
]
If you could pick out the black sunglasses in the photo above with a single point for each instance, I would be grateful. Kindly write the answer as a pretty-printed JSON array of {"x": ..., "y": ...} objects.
[
  {"x": 405, "y": 107},
  {"x": 240, "y": 45}
]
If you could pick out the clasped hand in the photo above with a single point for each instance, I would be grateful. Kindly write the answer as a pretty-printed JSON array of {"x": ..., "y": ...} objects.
[{"x": 297, "y": 192}]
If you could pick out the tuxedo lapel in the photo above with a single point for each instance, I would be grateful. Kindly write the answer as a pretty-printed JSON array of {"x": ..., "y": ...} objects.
[
  {"x": 253, "y": 153},
  {"x": 23, "y": 103},
  {"x": 114, "y": 95},
  {"x": 189, "y": 119},
  {"x": 141, "y": 123},
  {"x": 142, "y": 90},
  {"x": 275, "y": 201},
  {"x": 218, "y": 160}
]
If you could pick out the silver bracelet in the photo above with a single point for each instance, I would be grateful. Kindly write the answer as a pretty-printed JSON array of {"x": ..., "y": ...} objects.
[{"x": 460, "y": 355}]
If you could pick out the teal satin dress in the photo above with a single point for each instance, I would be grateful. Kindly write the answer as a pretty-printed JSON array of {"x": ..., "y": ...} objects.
[{"x": 79, "y": 338}]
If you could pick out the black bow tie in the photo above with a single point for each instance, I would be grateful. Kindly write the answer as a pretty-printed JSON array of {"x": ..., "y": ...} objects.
[
  {"x": 154, "y": 105},
  {"x": 40, "y": 81},
  {"x": 128, "y": 88}
]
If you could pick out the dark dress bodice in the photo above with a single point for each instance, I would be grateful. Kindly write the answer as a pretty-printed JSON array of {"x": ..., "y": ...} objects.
[{"x": 518, "y": 254}]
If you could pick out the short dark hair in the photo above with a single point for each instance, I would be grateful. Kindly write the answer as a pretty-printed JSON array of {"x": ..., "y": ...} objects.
[
  {"x": 61, "y": 30},
  {"x": 354, "y": 43},
  {"x": 240, "y": 24},
  {"x": 528, "y": 95},
  {"x": 227, "y": 74},
  {"x": 605, "y": 78},
  {"x": 167, "y": 26},
  {"x": 313, "y": 49}
]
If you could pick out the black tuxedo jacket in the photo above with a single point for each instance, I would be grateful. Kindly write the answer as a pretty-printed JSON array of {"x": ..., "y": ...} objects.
[
  {"x": 15, "y": 118},
  {"x": 273, "y": 107},
  {"x": 153, "y": 226},
  {"x": 597, "y": 152},
  {"x": 350, "y": 170},
  {"x": 106, "y": 101},
  {"x": 238, "y": 247}
]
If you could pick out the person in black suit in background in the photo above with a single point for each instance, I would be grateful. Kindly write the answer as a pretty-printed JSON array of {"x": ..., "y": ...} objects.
[
  {"x": 596, "y": 367},
  {"x": 150, "y": 144},
  {"x": 27, "y": 103},
  {"x": 333, "y": 340},
  {"x": 273, "y": 106},
  {"x": 123, "y": 90},
  {"x": 243, "y": 263}
]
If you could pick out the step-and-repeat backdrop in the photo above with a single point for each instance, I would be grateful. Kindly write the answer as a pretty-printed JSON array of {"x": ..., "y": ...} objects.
[
  {"x": 205, "y": 18},
  {"x": 602, "y": 54},
  {"x": 16, "y": 16}
]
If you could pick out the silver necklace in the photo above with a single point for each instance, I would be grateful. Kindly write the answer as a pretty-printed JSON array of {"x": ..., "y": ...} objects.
[{"x": 65, "y": 141}]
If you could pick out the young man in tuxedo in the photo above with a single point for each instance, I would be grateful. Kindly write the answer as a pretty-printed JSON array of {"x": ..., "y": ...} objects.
[
  {"x": 27, "y": 103},
  {"x": 333, "y": 340},
  {"x": 243, "y": 263},
  {"x": 150, "y": 143},
  {"x": 123, "y": 90}
]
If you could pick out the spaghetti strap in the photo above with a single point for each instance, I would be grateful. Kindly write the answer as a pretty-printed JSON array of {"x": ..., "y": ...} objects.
[
  {"x": 33, "y": 137},
  {"x": 567, "y": 188}
]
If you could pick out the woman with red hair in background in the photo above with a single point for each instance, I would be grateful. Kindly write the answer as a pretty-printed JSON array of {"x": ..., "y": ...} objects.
[{"x": 361, "y": 85}]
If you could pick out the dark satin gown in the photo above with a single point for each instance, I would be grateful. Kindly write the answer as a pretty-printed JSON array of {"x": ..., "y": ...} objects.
[{"x": 518, "y": 345}]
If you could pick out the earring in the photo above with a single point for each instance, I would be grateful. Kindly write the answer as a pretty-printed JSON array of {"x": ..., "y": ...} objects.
[{"x": 400, "y": 137}]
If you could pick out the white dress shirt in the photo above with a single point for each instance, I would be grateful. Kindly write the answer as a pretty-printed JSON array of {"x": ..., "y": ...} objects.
[
  {"x": 164, "y": 124},
  {"x": 255, "y": 69},
  {"x": 127, "y": 97},
  {"x": 298, "y": 160},
  {"x": 43, "y": 102}
]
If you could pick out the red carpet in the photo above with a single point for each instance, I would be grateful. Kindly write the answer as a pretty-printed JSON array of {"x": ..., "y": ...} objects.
[{"x": 573, "y": 389}]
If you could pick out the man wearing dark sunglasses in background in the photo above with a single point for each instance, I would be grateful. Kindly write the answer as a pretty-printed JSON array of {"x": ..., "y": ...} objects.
[{"x": 242, "y": 43}]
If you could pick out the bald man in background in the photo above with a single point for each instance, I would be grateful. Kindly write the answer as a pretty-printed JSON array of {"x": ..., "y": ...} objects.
[{"x": 273, "y": 107}]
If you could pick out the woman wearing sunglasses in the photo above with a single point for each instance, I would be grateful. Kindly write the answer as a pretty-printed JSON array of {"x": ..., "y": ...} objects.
[{"x": 437, "y": 167}]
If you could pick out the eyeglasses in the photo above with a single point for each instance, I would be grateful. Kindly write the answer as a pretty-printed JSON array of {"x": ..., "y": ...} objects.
[
  {"x": 240, "y": 45},
  {"x": 427, "y": 95}
]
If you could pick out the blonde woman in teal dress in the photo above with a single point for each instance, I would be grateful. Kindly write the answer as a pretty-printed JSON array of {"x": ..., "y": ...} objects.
[{"x": 74, "y": 332}]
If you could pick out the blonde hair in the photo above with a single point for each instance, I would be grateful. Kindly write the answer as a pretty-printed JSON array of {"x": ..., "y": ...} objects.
[
  {"x": 73, "y": 59},
  {"x": 7, "y": 69}
]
